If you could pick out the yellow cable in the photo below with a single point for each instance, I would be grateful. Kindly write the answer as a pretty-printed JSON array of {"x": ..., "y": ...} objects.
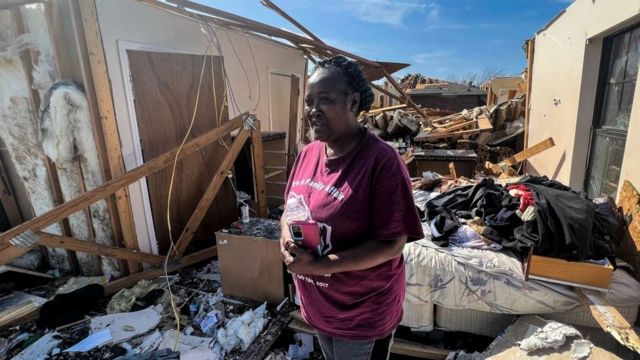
[{"x": 172, "y": 246}]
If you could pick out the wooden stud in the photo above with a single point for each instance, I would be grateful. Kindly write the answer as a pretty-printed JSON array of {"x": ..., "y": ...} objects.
[
  {"x": 282, "y": 13},
  {"x": 529, "y": 152},
  {"x": 294, "y": 98},
  {"x": 8, "y": 200},
  {"x": 69, "y": 243},
  {"x": 109, "y": 187},
  {"x": 257, "y": 161},
  {"x": 97, "y": 61},
  {"x": 210, "y": 193}
]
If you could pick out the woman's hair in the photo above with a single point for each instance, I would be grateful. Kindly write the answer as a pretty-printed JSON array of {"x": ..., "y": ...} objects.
[{"x": 353, "y": 78}]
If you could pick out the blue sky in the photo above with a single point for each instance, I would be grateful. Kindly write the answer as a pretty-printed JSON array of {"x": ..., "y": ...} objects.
[{"x": 440, "y": 38}]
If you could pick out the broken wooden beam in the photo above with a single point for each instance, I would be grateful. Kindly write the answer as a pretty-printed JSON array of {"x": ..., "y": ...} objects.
[
  {"x": 505, "y": 165},
  {"x": 384, "y": 109},
  {"x": 90, "y": 247},
  {"x": 63, "y": 211},
  {"x": 211, "y": 191},
  {"x": 610, "y": 319}
]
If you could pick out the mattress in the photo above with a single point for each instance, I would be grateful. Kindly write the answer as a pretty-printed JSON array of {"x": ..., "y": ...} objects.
[{"x": 493, "y": 282}]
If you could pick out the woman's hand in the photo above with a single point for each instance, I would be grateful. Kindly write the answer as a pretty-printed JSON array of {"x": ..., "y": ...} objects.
[{"x": 298, "y": 260}]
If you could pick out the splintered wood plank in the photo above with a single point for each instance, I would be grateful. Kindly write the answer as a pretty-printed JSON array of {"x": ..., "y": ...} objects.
[
  {"x": 532, "y": 151},
  {"x": 166, "y": 86},
  {"x": 610, "y": 319},
  {"x": 70, "y": 207},
  {"x": 211, "y": 192}
]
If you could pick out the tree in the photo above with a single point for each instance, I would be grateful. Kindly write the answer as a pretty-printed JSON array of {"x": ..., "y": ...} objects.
[{"x": 477, "y": 79}]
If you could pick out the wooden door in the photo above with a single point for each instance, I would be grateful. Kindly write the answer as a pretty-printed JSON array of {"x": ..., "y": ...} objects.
[{"x": 165, "y": 87}]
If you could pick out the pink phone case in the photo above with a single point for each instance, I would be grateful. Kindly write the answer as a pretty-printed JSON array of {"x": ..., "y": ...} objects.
[{"x": 306, "y": 233}]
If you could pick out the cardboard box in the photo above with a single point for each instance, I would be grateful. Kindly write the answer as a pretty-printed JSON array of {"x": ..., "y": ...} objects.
[
  {"x": 577, "y": 273},
  {"x": 251, "y": 267}
]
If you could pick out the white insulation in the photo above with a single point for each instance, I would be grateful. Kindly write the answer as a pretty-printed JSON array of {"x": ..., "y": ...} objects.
[
  {"x": 19, "y": 131},
  {"x": 66, "y": 138}
]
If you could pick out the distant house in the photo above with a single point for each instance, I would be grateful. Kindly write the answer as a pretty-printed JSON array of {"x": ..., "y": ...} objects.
[{"x": 446, "y": 95}]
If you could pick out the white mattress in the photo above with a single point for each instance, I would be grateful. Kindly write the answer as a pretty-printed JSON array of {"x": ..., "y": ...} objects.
[{"x": 490, "y": 281}]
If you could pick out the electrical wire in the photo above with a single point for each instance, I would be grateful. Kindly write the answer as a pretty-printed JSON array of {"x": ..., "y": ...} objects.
[{"x": 172, "y": 246}]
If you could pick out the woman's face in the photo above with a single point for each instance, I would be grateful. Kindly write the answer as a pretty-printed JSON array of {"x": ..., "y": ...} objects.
[{"x": 329, "y": 105}]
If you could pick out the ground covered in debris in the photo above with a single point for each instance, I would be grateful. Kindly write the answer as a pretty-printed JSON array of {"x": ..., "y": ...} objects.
[{"x": 136, "y": 323}]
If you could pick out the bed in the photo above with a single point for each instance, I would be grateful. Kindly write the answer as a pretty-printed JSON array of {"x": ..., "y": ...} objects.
[{"x": 482, "y": 291}]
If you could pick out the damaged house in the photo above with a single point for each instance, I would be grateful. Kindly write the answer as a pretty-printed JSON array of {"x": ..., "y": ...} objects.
[{"x": 145, "y": 147}]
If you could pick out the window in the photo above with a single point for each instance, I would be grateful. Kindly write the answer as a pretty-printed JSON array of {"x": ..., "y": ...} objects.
[{"x": 617, "y": 84}]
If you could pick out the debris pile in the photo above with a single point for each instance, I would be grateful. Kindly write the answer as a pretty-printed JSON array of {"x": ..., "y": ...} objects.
[{"x": 139, "y": 323}]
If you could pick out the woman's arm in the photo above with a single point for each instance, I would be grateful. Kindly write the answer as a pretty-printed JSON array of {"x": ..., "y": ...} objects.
[{"x": 364, "y": 256}]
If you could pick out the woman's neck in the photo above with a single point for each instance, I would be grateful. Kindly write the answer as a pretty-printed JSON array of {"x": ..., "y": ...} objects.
[{"x": 345, "y": 143}]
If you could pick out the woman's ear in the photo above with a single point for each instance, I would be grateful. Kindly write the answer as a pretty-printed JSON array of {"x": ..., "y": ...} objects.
[{"x": 355, "y": 102}]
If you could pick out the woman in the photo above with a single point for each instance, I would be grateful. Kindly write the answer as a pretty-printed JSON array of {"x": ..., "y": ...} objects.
[{"x": 357, "y": 189}]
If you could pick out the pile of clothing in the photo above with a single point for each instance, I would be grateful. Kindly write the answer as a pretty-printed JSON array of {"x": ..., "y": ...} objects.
[{"x": 533, "y": 214}]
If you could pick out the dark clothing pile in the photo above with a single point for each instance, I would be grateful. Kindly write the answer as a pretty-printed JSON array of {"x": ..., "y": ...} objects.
[{"x": 566, "y": 225}]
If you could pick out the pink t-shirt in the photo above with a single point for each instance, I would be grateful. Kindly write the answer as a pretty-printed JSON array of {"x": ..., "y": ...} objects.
[{"x": 364, "y": 195}]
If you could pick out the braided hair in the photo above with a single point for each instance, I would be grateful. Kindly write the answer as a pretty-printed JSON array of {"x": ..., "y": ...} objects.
[{"x": 353, "y": 78}]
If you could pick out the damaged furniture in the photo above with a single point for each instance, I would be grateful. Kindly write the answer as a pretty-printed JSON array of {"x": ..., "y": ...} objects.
[{"x": 482, "y": 291}]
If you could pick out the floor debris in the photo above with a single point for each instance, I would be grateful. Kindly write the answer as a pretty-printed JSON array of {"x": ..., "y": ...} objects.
[
  {"x": 41, "y": 348},
  {"x": 124, "y": 326},
  {"x": 92, "y": 341},
  {"x": 552, "y": 335},
  {"x": 240, "y": 332}
]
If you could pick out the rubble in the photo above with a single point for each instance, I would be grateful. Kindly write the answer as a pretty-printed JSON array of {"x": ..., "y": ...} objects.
[{"x": 552, "y": 335}]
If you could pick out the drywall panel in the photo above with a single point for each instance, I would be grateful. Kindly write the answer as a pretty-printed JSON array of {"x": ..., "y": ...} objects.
[{"x": 565, "y": 71}]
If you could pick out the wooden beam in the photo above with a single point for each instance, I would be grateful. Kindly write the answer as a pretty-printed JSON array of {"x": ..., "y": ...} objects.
[
  {"x": 407, "y": 98},
  {"x": 610, "y": 319},
  {"x": 388, "y": 93},
  {"x": 8, "y": 200},
  {"x": 108, "y": 188},
  {"x": 69, "y": 243},
  {"x": 292, "y": 136},
  {"x": 257, "y": 161},
  {"x": 97, "y": 61},
  {"x": 210, "y": 193},
  {"x": 384, "y": 109},
  {"x": 188, "y": 260},
  {"x": 90, "y": 247},
  {"x": 282, "y": 13},
  {"x": 529, "y": 152}
]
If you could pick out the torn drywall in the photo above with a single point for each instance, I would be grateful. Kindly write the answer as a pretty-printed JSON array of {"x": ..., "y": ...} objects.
[{"x": 553, "y": 335}]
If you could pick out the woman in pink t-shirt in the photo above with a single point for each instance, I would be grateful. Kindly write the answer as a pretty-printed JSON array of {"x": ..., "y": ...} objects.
[{"x": 356, "y": 189}]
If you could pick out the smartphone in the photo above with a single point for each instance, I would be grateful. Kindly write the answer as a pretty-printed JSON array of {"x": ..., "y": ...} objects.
[{"x": 307, "y": 235}]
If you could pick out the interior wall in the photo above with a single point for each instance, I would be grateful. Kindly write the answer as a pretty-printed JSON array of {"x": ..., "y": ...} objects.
[
  {"x": 168, "y": 32},
  {"x": 565, "y": 72}
]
